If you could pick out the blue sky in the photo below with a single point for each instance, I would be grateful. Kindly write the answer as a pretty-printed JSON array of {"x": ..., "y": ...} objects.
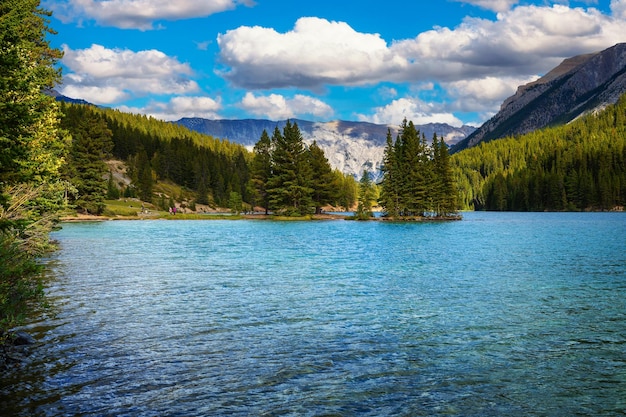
[{"x": 451, "y": 61}]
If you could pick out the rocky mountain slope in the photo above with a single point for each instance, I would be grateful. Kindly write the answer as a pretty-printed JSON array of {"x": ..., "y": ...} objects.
[
  {"x": 349, "y": 146},
  {"x": 579, "y": 85}
]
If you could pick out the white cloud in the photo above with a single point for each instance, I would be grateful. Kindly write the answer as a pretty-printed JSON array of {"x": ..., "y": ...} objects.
[
  {"x": 387, "y": 92},
  {"x": 315, "y": 53},
  {"x": 278, "y": 107},
  {"x": 203, "y": 46},
  {"x": 138, "y": 14},
  {"x": 495, "y": 5},
  {"x": 618, "y": 9},
  {"x": 94, "y": 94},
  {"x": 521, "y": 42},
  {"x": 104, "y": 76},
  {"x": 179, "y": 107},
  {"x": 482, "y": 94},
  {"x": 412, "y": 109}
]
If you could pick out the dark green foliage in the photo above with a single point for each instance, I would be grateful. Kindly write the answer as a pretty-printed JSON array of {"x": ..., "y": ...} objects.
[
  {"x": 444, "y": 194},
  {"x": 580, "y": 166},
  {"x": 390, "y": 191},
  {"x": 417, "y": 178},
  {"x": 293, "y": 179},
  {"x": 141, "y": 173},
  {"x": 261, "y": 170},
  {"x": 289, "y": 187},
  {"x": 157, "y": 150},
  {"x": 366, "y": 196},
  {"x": 91, "y": 145},
  {"x": 32, "y": 149},
  {"x": 321, "y": 178}
]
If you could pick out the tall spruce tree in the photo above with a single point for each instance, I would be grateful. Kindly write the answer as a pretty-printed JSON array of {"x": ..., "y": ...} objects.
[
  {"x": 366, "y": 196},
  {"x": 321, "y": 177},
  {"x": 261, "y": 169},
  {"x": 289, "y": 187},
  {"x": 390, "y": 191},
  {"x": 446, "y": 194},
  {"x": 415, "y": 171},
  {"x": 86, "y": 168}
]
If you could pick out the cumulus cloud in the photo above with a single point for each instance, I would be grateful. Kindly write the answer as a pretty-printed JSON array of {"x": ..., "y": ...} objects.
[
  {"x": 316, "y": 52},
  {"x": 412, "y": 109},
  {"x": 278, "y": 107},
  {"x": 105, "y": 76},
  {"x": 179, "y": 107},
  {"x": 495, "y": 5},
  {"x": 138, "y": 14},
  {"x": 483, "y": 94},
  {"x": 618, "y": 8},
  {"x": 522, "y": 41}
]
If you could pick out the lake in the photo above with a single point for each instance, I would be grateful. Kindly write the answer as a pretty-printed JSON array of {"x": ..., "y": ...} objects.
[{"x": 501, "y": 314}]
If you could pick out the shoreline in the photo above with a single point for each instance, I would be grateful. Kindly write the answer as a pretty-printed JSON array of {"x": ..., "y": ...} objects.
[{"x": 78, "y": 218}]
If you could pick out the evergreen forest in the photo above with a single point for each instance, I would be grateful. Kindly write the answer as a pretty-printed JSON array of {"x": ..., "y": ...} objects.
[
  {"x": 214, "y": 171},
  {"x": 418, "y": 180},
  {"x": 580, "y": 166}
]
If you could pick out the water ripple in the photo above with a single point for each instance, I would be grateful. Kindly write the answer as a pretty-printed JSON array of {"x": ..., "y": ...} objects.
[{"x": 501, "y": 314}]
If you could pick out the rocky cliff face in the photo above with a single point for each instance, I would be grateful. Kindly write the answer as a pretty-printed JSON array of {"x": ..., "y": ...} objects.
[
  {"x": 579, "y": 85},
  {"x": 349, "y": 146}
]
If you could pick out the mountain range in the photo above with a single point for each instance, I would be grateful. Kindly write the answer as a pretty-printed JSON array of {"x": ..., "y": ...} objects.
[
  {"x": 579, "y": 85},
  {"x": 350, "y": 147}
]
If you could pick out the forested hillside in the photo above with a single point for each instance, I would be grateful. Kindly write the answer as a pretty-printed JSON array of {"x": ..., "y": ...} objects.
[
  {"x": 154, "y": 150},
  {"x": 579, "y": 166}
]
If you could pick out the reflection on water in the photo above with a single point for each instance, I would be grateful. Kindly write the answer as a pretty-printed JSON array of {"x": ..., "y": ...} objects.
[{"x": 500, "y": 314}]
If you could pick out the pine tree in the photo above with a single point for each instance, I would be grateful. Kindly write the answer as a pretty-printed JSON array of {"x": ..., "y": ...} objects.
[
  {"x": 390, "y": 191},
  {"x": 289, "y": 187},
  {"x": 366, "y": 196},
  {"x": 261, "y": 169},
  {"x": 444, "y": 188},
  {"x": 91, "y": 145},
  {"x": 113, "y": 193},
  {"x": 345, "y": 187},
  {"x": 418, "y": 171},
  {"x": 321, "y": 179}
]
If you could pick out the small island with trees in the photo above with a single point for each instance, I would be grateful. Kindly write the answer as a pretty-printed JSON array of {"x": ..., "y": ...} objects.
[{"x": 417, "y": 182}]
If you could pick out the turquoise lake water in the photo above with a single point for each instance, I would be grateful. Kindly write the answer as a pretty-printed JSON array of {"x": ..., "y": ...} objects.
[{"x": 501, "y": 314}]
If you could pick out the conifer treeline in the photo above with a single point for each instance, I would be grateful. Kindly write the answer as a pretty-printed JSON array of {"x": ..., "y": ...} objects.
[
  {"x": 292, "y": 179},
  {"x": 579, "y": 166},
  {"x": 417, "y": 178},
  {"x": 155, "y": 150}
]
